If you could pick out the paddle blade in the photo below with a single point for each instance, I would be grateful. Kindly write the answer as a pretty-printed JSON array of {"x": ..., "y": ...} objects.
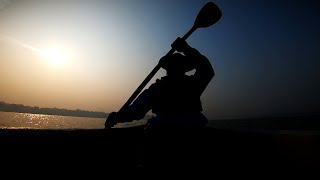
[{"x": 208, "y": 15}]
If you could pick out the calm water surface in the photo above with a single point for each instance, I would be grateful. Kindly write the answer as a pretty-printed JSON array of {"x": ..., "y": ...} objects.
[{"x": 41, "y": 121}]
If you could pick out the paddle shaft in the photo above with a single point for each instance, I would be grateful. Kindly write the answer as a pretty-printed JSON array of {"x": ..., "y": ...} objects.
[{"x": 150, "y": 76}]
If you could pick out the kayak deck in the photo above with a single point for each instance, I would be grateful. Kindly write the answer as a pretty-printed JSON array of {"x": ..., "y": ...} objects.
[{"x": 136, "y": 148}]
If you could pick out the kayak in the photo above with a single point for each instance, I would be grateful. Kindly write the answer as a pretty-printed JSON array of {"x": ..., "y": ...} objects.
[{"x": 135, "y": 148}]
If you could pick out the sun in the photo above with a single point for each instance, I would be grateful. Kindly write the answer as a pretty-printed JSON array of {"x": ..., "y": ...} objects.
[{"x": 56, "y": 57}]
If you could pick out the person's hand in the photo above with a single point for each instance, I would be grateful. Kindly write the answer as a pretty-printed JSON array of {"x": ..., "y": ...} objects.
[
  {"x": 180, "y": 45},
  {"x": 112, "y": 120}
]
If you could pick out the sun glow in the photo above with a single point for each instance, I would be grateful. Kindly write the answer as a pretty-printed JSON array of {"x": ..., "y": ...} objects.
[{"x": 56, "y": 56}]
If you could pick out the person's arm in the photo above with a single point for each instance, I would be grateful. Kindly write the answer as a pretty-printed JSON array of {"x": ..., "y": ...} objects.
[
  {"x": 204, "y": 70},
  {"x": 137, "y": 110}
]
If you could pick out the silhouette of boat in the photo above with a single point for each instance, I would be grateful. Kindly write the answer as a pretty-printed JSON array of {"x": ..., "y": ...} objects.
[{"x": 135, "y": 148}]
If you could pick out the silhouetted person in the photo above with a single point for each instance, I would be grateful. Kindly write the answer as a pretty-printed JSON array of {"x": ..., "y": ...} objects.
[{"x": 175, "y": 98}]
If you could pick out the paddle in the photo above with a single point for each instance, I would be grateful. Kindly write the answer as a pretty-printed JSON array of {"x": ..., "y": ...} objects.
[{"x": 208, "y": 15}]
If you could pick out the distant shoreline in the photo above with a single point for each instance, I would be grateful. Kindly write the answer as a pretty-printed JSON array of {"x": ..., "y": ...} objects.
[{"x": 19, "y": 108}]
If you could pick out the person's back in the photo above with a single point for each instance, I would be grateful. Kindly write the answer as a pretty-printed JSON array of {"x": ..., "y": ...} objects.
[
  {"x": 176, "y": 103},
  {"x": 175, "y": 98}
]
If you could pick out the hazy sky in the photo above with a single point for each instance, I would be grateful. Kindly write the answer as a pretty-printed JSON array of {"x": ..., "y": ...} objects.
[{"x": 92, "y": 55}]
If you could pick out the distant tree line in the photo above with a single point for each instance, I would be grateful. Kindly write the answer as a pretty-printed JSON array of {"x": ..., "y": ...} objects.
[{"x": 49, "y": 111}]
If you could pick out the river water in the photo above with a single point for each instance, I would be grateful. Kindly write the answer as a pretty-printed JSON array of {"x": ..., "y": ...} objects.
[{"x": 14, "y": 120}]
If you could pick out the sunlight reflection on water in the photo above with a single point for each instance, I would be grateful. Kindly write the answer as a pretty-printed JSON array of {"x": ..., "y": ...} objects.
[
  {"x": 39, "y": 120},
  {"x": 42, "y": 121}
]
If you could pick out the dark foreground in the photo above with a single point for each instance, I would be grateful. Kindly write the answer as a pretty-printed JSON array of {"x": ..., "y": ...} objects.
[{"x": 134, "y": 148}]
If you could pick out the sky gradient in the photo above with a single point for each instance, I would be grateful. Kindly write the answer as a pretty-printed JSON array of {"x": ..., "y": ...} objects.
[{"x": 93, "y": 54}]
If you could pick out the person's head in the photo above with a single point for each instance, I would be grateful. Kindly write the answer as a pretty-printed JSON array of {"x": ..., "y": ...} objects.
[{"x": 177, "y": 65}]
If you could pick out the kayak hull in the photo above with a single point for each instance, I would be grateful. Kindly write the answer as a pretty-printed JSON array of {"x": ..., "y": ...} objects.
[{"x": 136, "y": 148}]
